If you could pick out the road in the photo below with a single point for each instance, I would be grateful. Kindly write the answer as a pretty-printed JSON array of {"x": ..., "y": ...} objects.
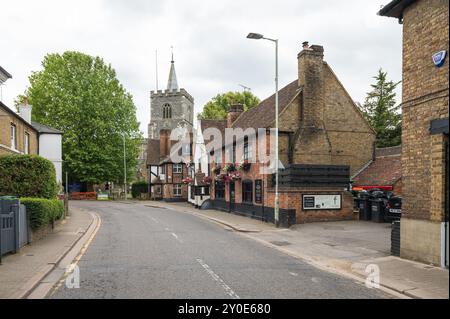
[{"x": 148, "y": 252}]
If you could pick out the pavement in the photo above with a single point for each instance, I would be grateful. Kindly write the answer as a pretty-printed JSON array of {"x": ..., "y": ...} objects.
[
  {"x": 21, "y": 273},
  {"x": 143, "y": 250},
  {"x": 348, "y": 248}
]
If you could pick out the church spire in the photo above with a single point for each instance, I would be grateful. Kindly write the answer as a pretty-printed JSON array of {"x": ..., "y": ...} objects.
[{"x": 172, "y": 84}]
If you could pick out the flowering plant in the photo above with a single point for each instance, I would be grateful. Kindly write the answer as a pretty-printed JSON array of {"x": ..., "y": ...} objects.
[
  {"x": 207, "y": 180},
  {"x": 227, "y": 178},
  {"x": 187, "y": 180},
  {"x": 217, "y": 170},
  {"x": 245, "y": 165},
  {"x": 235, "y": 176},
  {"x": 230, "y": 167}
]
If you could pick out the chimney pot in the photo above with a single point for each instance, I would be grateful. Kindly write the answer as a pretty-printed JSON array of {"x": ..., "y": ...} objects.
[{"x": 305, "y": 45}]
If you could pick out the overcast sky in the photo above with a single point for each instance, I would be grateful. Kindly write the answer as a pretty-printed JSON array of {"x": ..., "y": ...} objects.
[{"x": 212, "y": 53}]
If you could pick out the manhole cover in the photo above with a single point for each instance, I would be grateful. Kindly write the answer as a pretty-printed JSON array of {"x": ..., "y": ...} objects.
[{"x": 280, "y": 243}]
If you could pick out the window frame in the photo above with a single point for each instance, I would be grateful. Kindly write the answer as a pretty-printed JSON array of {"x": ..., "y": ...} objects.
[
  {"x": 177, "y": 190},
  {"x": 219, "y": 193},
  {"x": 13, "y": 133},
  {"x": 177, "y": 168},
  {"x": 26, "y": 143},
  {"x": 247, "y": 191}
]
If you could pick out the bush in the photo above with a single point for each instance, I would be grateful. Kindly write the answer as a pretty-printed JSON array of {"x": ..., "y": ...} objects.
[
  {"x": 27, "y": 176},
  {"x": 137, "y": 188},
  {"x": 43, "y": 211}
]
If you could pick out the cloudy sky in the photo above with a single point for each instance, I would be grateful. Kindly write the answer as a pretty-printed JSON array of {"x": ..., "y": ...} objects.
[{"x": 212, "y": 53}]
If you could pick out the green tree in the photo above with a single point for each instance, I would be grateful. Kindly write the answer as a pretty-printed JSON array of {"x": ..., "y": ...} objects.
[
  {"x": 382, "y": 111},
  {"x": 81, "y": 96},
  {"x": 217, "y": 108}
]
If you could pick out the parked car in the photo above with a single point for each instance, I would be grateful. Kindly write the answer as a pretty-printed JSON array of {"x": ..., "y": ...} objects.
[{"x": 394, "y": 209}]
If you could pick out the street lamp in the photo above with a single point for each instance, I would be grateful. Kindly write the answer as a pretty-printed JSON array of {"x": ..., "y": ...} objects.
[
  {"x": 125, "y": 168},
  {"x": 257, "y": 36}
]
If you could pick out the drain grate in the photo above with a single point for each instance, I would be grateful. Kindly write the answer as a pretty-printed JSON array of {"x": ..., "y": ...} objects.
[
  {"x": 280, "y": 243},
  {"x": 155, "y": 207}
]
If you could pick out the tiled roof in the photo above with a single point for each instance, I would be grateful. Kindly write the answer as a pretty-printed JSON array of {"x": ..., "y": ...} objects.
[
  {"x": 219, "y": 124},
  {"x": 386, "y": 170},
  {"x": 41, "y": 128},
  {"x": 263, "y": 115},
  {"x": 153, "y": 156}
]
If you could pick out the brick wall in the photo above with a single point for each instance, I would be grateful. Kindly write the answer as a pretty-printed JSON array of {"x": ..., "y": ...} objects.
[
  {"x": 6, "y": 119},
  {"x": 425, "y": 98}
]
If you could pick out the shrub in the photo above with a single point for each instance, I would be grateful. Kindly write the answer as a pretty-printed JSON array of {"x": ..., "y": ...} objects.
[
  {"x": 43, "y": 211},
  {"x": 137, "y": 188},
  {"x": 27, "y": 176}
]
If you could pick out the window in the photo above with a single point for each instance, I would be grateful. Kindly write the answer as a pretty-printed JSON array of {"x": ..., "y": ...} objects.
[
  {"x": 177, "y": 168},
  {"x": 220, "y": 190},
  {"x": 27, "y": 144},
  {"x": 13, "y": 137},
  {"x": 248, "y": 150},
  {"x": 167, "y": 111},
  {"x": 247, "y": 192},
  {"x": 177, "y": 190},
  {"x": 163, "y": 169}
]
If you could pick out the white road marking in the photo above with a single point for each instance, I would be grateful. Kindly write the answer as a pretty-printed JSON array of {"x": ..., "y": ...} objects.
[
  {"x": 216, "y": 277},
  {"x": 293, "y": 274},
  {"x": 177, "y": 238},
  {"x": 155, "y": 220}
]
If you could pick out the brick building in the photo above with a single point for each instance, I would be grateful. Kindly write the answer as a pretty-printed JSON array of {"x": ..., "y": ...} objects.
[
  {"x": 384, "y": 172},
  {"x": 170, "y": 109},
  {"x": 17, "y": 136},
  {"x": 319, "y": 125},
  {"x": 424, "y": 225}
]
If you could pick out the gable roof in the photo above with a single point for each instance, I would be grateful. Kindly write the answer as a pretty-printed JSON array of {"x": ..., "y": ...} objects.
[
  {"x": 44, "y": 129},
  {"x": 263, "y": 115},
  {"x": 386, "y": 170}
]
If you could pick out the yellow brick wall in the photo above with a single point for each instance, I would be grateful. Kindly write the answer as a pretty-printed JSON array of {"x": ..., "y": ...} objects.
[{"x": 6, "y": 119}]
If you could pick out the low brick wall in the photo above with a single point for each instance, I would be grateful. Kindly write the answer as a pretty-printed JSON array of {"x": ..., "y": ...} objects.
[{"x": 291, "y": 198}]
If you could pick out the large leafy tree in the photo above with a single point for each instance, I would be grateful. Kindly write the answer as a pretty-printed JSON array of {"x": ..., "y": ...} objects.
[
  {"x": 80, "y": 95},
  {"x": 217, "y": 107},
  {"x": 382, "y": 111}
]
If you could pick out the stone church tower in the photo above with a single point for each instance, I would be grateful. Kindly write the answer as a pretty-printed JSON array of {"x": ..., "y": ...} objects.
[{"x": 171, "y": 108}]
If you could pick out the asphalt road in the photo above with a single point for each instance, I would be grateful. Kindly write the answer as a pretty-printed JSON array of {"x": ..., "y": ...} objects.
[{"x": 148, "y": 252}]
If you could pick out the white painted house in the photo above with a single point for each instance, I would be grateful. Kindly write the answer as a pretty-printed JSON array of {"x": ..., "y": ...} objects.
[{"x": 49, "y": 140}]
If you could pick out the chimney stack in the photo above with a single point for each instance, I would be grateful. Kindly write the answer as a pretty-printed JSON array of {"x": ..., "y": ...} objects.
[
  {"x": 25, "y": 110},
  {"x": 310, "y": 79},
  {"x": 234, "y": 112}
]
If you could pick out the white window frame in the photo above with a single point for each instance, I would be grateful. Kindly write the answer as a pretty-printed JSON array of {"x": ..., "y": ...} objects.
[
  {"x": 13, "y": 136},
  {"x": 177, "y": 169},
  {"x": 177, "y": 190},
  {"x": 26, "y": 143}
]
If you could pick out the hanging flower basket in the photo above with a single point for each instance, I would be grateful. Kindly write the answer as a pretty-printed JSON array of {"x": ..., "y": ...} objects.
[
  {"x": 245, "y": 166},
  {"x": 230, "y": 167},
  {"x": 217, "y": 170},
  {"x": 207, "y": 180},
  {"x": 187, "y": 180},
  {"x": 227, "y": 178},
  {"x": 220, "y": 177},
  {"x": 235, "y": 176}
]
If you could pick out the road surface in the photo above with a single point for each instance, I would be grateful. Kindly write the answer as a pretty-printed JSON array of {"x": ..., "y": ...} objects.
[{"x": 148, "y": 252}]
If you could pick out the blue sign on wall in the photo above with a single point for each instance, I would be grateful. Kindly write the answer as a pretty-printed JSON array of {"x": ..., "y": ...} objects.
[{"x": 439, "y": 58}]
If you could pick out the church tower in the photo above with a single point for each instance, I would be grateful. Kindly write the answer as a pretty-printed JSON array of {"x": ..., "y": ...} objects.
[{"x": 170, "y": 108}]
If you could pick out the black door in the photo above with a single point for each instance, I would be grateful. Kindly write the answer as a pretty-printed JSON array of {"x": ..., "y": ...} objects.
[
  {"x": 446, "y": 203},
  {"x": 232, "y": 196}
]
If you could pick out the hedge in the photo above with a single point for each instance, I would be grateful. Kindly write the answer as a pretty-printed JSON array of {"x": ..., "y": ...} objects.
[
  {"x": 27, "y": 176},
  {"x": 43, "y": 211},
  {"x": 137, "y": 188}
]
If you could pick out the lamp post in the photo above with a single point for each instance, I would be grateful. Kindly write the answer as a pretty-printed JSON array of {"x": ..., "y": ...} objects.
[
  {"x": 257, "y": 36},
  {"x": 125, "y": 168}
]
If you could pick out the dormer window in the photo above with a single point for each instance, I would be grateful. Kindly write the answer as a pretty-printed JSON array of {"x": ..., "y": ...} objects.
[{"x": 167, "y": 111}]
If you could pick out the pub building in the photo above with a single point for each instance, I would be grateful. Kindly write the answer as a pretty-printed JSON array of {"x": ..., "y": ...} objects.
[{"x": 323, "y": 141}]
